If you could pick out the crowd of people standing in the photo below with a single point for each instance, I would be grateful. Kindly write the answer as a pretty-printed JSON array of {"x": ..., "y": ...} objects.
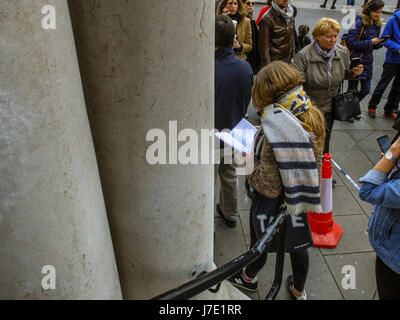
[{"x": 292, "y": 81}]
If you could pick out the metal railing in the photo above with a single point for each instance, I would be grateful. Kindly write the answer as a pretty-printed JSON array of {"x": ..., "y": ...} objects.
[{"x": 208, "y": 280}]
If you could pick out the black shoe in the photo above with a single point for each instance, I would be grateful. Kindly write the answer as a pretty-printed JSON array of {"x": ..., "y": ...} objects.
[
  {"x": 323, "y": 6},
  {"x": 358, "y": 118},
  {"x": 239, "y": 281},
  {"x": 228, "y": 222},
  {"x": 290, "y": 285},
  {"x": 333, "y": 8},
  {"x": 350, "y": 120}
]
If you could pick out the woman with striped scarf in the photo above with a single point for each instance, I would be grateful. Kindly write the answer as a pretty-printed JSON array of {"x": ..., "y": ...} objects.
[{"x": 290, "y": 140}]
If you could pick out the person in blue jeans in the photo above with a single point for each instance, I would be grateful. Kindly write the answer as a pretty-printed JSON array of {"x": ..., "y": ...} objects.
[
  {"x": 391, "y": 69},
  {"x": 381, "y": 187},
  {"x": 369, "y": 23}
]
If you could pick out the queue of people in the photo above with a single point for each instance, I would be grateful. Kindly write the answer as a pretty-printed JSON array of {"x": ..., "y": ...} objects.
[{"x": 293, "y": 92}]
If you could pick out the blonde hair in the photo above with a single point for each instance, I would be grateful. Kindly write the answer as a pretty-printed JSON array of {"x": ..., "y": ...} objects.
[
  {"x": 277, "y": 78},
  {"x": 324, "y": 25}
]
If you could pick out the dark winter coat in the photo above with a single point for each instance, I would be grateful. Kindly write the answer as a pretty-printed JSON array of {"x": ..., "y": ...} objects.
[
  {"x": 253, "y": 57},
  {"x": 233, "y": 83},
  {"x": 364, "y": 48}
]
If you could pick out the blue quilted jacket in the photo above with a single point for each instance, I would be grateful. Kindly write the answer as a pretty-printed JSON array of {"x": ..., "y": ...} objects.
[{"x": 363, "y": 48}]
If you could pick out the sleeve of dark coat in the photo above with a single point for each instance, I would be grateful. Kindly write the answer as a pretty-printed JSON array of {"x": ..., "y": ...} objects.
[{"x": 264, "y": 37}]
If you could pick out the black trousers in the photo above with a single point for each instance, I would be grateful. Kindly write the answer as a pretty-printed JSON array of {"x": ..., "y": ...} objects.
[
  {"x": 390, "y": 71},
  {"x": 387, "y": 281}
]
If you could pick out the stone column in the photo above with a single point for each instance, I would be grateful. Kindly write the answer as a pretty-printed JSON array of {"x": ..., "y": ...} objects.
[
  {"x": 145, "y": 65},
  {"x": 52, "y": 210}
]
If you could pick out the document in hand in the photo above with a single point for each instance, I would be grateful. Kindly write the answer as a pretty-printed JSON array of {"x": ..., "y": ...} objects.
[{"x": 241, "y": 137}]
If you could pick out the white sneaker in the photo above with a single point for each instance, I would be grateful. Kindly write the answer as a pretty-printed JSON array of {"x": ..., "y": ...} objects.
[{"x": 289, "y": 286}]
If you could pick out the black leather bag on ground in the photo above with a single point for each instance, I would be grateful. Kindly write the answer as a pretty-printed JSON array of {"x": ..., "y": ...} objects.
[{"x": 346, "y": 105}]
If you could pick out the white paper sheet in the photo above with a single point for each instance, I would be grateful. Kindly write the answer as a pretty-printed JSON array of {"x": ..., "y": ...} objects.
[{"x": 241, "y": 137}]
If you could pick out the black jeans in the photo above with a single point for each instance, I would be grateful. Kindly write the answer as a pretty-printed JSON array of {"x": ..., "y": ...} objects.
[
  {"x": 390, "y": 71},
  {"x": 299, "y": 260},
  {"x": 388, "y": 281},
  {"x": 364, "y": 89}
]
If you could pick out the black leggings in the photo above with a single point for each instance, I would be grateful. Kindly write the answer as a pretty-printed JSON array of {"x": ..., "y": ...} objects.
[
  {"x": 388, "y": 281},
  {"x": 299, "y": 260}
]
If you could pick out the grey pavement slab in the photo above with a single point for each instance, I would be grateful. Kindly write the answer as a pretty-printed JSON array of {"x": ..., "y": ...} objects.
[
  {"x": 367, "y": 207},
  {"x": 354, "y": 238},
  {"x": 342, "y": 141},
  {"x": 356, "y": 125},
  {"x": 369, "y": 143},
  {"x": 363, "y": 265},
  {"x": 321, "y": 284},
  {"x": 344, "y": 202},
  {"x": 229, "y": 242},
  {"x": 359, "y": 135},
  {"x": 355, "y": 163}
]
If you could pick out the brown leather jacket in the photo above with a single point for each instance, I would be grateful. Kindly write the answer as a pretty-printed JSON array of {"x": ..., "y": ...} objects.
[{"x": 276, "y": 38}]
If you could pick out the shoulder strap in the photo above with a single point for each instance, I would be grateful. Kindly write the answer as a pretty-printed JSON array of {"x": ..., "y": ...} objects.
[
  {"x": 359, "y": 36},
  {"x": 362, "y": 31}
]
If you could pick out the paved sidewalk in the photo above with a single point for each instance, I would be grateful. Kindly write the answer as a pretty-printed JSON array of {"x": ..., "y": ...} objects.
[{"x": 354, "y": 148}]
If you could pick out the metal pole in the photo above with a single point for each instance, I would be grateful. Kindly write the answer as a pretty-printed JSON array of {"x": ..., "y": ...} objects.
[
  {"x": 398, "y": 4},
  {"x": 279, "y": 263}
]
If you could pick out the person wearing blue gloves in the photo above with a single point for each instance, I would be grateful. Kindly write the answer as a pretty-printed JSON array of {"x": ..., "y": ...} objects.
[
  {"x": 381, "y": 187},
  {"x": 391, "y": 69}
]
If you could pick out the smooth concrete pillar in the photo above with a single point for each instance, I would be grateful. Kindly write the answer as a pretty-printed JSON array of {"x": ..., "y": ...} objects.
[
  {"x": 52, "y": 210},
  {"x": 144, "y": 64}
]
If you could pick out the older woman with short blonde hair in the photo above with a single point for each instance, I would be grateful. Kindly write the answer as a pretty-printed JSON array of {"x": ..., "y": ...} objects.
[{"x": 324, "y": 65}]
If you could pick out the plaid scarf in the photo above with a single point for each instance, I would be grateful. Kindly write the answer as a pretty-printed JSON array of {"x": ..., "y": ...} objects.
[{"x": 294, "y": 155}]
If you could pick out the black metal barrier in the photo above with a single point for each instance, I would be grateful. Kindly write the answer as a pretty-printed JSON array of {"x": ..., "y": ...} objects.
[{"x": 215, "y": 277}]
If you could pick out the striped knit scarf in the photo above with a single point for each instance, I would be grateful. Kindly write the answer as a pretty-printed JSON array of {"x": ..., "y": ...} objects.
[{"x": 294, "y": 155}]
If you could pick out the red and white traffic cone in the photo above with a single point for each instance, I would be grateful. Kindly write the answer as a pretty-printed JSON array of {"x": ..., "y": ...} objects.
[{"x": 325, "y": 231}]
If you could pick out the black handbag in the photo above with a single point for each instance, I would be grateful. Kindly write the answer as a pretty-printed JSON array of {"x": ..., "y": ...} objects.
[{"x": 346, "y": 104}]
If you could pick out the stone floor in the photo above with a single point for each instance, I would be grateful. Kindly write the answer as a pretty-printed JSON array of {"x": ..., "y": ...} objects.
[{"x": 355, "y": 149}]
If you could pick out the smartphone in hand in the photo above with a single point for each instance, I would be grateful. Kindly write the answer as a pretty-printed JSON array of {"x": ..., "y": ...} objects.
[
  {"x": 384, "y": 143},
  {"x": 355, "y": 62},
  {"x": 384, "y": 38}
]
